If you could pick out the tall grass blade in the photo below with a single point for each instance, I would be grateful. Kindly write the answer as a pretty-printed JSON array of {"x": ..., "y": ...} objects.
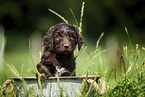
[
  {"x": 142, "y": 77},
  {"x": 22, "y": 69},
  {"x": 78, "y": 53},
  {"x": 81, "y": 18},
  {"x": 58, "y": 15},
  {"x": 99, "y": 53},
  {"x": 128, "y": 37},
  {"x": 13, "y": 70},
  {"x": 129, "y": 68},
  {"x": 31, "y": 53},
  {"x": 85, "y": 83},
  {"x": 92, "y": 85},
  {"x": 115, "y": 75},
  {"x": 109, "y": 75},
  {"x": 60, "y": 89},
  {"x": 82, "y": 85},
  {"x": 136, "y": 70},
  {"x": 74, "y": 16},
  {"x": 2, "y": 47},
  {"x": 39, "y": 82},
  {"x": 98, "y": 41},
  {"x": 16, "y": 73},
  {"x": 122, "y": 59}
]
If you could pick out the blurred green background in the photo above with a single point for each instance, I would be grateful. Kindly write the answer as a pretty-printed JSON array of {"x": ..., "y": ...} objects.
[{"x": 21, "y": 20}]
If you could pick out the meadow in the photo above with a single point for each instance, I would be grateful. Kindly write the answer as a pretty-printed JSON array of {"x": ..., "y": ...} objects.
[{"x": 121, "y": 67}]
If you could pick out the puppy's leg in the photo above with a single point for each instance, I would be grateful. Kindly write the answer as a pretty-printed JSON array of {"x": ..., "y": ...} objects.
[{"x": 44, "y": 70}]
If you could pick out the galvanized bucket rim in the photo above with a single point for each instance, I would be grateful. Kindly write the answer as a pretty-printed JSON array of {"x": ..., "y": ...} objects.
[{"x": 61, "y": 77}]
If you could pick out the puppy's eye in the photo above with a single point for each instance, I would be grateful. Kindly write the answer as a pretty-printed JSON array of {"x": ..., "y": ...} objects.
[
  {"x": 59, "y": 35},
  {"x": 70, "y": 35}
]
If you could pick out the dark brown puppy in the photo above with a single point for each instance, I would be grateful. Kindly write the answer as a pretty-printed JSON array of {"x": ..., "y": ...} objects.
[{"x": 59, "y": 42}]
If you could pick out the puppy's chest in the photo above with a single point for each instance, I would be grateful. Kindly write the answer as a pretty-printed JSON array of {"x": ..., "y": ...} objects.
[
  {"x": 65, "y": 65},
  {"x": 65, "y": 62}
]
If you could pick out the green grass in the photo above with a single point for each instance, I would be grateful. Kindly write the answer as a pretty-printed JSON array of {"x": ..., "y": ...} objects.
[
  {"x": 125, "y": 78},
  {"x": 122, "y": 69}
]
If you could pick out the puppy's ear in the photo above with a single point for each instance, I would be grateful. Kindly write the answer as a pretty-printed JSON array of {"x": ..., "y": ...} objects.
[
  {"x": 79, "y": 38},
  {"x": 48, "y": 39}
]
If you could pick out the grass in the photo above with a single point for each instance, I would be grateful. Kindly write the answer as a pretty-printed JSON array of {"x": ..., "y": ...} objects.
[
  {"x": 126, "y": 77},
  {"x": 2, "y": 46}
]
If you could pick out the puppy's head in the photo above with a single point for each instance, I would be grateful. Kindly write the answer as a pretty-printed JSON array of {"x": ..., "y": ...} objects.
[{"x": 62, "y": 38}]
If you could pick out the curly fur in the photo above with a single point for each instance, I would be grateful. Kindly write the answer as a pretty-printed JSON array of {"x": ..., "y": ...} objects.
[{"x": 59, "y": 43}]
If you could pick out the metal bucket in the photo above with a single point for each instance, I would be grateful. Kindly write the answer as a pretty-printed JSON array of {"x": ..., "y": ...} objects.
[{"x": 69, "y": 86}]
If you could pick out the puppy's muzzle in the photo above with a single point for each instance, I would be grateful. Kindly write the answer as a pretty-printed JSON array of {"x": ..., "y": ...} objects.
[{"x": 66, "y": 45}]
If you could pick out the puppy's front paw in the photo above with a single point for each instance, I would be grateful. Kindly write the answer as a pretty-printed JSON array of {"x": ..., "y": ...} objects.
[
  {"x": 64, "y": 72},
  {"x": 43, "y": 75}
]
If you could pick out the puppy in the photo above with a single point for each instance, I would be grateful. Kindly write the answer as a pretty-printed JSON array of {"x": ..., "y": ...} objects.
[{"x": 59, "y": 44}]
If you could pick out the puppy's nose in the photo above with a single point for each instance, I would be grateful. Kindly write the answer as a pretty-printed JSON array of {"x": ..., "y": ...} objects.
[{"x": 66, "y": 46}]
